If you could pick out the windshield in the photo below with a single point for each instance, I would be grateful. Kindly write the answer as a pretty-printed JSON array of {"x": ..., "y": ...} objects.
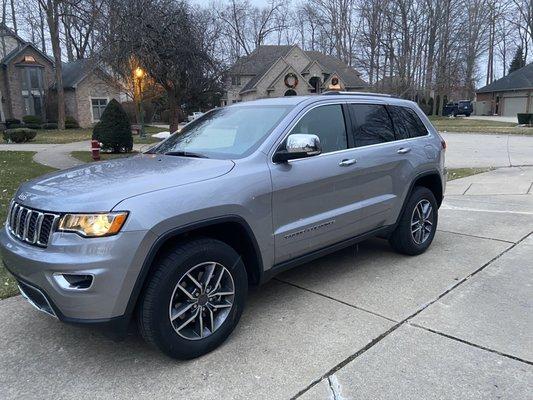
[{"x": 224, "y": 133}]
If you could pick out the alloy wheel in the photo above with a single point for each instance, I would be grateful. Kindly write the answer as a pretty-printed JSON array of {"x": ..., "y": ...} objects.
[
  {"x": 421, "y": 221},
  {"x": 201, "y": 301}
]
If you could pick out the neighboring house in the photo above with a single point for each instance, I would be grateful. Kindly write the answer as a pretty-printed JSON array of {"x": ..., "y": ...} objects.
[
  {"x": 507, "y": 96},
  {"x": 25, "y": 75},
  {"x": 27, "y": 84},
  {"x": 88, "y": 89},
  {"x": 274, "y": 71}
]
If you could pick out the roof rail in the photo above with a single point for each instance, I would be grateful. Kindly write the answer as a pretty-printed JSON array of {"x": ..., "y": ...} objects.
[{"x": 336, "y": 92}]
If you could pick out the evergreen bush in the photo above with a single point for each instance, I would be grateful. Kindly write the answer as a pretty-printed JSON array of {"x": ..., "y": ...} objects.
[{"x": 114, "y": 129}]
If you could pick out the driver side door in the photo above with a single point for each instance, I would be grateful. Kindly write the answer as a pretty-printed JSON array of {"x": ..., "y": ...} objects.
[{"x": 307, "y": 197}]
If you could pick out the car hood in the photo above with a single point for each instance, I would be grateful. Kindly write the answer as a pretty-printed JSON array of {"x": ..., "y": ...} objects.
[{"x": 100, "y": 186}]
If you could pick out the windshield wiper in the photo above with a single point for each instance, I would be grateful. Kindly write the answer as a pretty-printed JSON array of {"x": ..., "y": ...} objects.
[{"x": 185, "y": 154}]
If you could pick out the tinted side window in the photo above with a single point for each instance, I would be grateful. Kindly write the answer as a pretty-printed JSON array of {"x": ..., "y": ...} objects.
[
  {"x": 407, "y": 123},
  {"x": 372, "y": 124},
  {"x": 327, "y": 122}
]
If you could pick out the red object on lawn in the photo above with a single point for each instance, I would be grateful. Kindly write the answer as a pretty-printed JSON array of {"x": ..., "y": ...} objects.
[{"x": 95, "y": 150}]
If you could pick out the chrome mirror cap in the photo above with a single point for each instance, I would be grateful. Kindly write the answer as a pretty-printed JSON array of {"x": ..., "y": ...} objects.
[{"x": 298, "y": 145}]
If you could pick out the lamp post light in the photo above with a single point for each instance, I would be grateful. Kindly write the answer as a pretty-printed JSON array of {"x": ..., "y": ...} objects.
[{"x": 139, "y": 76}]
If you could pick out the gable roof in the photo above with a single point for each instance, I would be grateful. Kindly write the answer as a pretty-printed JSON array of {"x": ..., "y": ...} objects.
[
  {"x": 259, "y": 60},
  {"x": 74, "y": 72},
  {"x": 258, "y": 63},
  {"x": 347, "y": 74},
  {"x": 519, "y": 79},
  {"x": 15, "y": 52}
]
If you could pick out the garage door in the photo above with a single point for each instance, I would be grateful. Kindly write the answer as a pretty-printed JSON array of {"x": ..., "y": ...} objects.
[{"x": 514, "y": 105}]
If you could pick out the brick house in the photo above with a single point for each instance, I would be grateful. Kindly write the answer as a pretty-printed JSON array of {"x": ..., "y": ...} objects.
[
  {"x": 274, "y": 71},
  {"x": 507, "y": 96},
  {"x": 88, "y": 89},
  {"x": 27, "y": 84},
  {"x": 25, "y": 75}
]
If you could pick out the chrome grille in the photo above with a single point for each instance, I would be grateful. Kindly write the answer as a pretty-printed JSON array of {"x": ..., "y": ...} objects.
[{"x": 31, "y": 226}]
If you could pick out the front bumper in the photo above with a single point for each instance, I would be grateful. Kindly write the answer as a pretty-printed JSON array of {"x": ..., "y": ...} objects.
[{"x": 114, "y": 263}]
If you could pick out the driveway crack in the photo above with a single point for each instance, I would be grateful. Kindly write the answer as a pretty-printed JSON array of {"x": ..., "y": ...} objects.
[{"x": 378, "y": 339}]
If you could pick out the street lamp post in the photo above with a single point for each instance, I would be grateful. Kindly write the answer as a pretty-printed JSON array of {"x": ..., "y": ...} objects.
[{"x": 139, "y": 76}]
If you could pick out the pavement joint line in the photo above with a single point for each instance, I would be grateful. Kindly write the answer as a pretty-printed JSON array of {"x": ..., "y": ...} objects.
[
  {"x": 336, "y": 300},
  {"x": 379, "y": 338},
  {"x": 475, "y": 236},
  {"x": 487, "y": 194},
  {"x": 332, "y": 388},
  {"x": 508, "y": 151},
  {"x": 472, "y": 344},
  {"x": 469, "y": 186},
  {"x": 454, "y": 208},
  {"x": 529, "y": 190}
]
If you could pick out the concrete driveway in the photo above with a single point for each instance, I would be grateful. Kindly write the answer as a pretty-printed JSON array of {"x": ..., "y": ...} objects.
[{"x": 455, "y": 322}]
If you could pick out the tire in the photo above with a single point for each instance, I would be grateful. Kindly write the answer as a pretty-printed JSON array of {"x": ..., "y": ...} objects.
[
  {"x": 467, "y": 114},
  {"x": 402, "y": 239},
  {"x": 205, "y": 260}
]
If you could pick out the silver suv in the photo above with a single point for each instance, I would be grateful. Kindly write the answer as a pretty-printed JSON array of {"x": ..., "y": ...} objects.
[{"x": 176, "y": 235}]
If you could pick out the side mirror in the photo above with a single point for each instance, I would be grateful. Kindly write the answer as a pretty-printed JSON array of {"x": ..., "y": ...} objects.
[{"x": 298, "y": 145}]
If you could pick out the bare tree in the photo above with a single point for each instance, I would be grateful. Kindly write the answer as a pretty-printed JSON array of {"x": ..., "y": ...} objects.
[
  {"x": 51, "y": 9},
  {"x": 172, "y": 43}
]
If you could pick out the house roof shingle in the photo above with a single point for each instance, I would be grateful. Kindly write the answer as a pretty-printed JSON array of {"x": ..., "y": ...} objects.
[
  {"x": 263, "y": 57},
  {"x": 73, "y": 72},
  {"x": 519, "y": 79}
]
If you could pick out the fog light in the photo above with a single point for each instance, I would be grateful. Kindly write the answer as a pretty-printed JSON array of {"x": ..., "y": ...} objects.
[{"x": 74, "y": 281}]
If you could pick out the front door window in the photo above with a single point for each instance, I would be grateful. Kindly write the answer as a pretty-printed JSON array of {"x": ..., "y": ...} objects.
[{"x": 32, "y": 90}]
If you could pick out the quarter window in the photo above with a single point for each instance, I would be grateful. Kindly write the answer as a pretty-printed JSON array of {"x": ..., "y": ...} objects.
[
  {"x": 327, "y": 122},
  {"x": 98, "y": 107},
  {"x": 407, "y": 123},
  {"x": 372, "y": 124}
]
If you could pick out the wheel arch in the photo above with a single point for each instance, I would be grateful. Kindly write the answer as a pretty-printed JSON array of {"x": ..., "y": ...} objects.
[
  {"x": 429, "y": 179},
  {"x": 241, "y": 239}
]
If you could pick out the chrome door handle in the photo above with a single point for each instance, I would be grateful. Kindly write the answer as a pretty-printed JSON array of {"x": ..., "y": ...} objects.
[
  {"x": 347, "y": 162},
  {"x": 404, "y": 150}
]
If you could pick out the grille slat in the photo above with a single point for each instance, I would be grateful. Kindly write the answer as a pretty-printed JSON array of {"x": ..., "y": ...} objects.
[{"x": 31, "y": 226}]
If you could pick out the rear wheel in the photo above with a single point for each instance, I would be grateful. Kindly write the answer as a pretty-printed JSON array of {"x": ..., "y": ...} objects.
[
  {"x": 418, "y": 223},
  {"x": 194, "y": 298}
]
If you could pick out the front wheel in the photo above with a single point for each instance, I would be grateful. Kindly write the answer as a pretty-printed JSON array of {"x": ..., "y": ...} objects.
[
  {"x": 418, "y": 223},
  {"x": 194, "y": 298}
]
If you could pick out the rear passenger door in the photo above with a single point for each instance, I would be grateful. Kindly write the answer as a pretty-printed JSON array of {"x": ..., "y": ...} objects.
[{"x": 383, "y": 166}]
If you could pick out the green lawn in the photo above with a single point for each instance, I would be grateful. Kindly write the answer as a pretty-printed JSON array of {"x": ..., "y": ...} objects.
[
  {"x": 469, "y": 125},
  {"x": 15, "y": 167},
  {"x": 86, "y": 156},
  {"x": 458, "y": 173},
  {"x": 77, "y": 135}
]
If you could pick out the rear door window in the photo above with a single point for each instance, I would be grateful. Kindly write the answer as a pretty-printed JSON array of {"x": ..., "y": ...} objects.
[
  {"x": 327, "y": 122},
  {"x": 407, "y": 123},
  {"x": 372, "y": 124}
]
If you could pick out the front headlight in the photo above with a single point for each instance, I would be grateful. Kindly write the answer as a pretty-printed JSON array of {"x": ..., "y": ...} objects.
[{"x": 93, "y": 225}]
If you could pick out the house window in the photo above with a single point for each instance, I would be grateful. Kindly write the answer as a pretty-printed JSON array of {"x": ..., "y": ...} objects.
[
  {"x": 32, "y": 90},
  {"x": 98, "y": 106},
  {"x": 236, "y": 80}
]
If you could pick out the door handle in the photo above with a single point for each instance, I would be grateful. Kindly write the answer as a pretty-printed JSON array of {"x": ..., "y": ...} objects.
[
  {"x": 404, "y": 150},
  {"x": 347, "y": 162}
]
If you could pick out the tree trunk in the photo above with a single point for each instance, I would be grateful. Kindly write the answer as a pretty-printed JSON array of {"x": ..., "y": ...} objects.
[
  {"x": 52, "y": 17},
  {"x": 173, "y": 109},
  {"x": 14, "y": 17}
]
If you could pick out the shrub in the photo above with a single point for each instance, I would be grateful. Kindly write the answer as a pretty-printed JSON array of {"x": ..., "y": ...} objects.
[
  {"x": 32, "y": 120},
  {"x": 19, "y": 135},
  {"x": 13, "y": 123},
  {"x": 114, "y": 129},
  {"x": 71, "y": 123},
  {"x": 49, "y": 125}
]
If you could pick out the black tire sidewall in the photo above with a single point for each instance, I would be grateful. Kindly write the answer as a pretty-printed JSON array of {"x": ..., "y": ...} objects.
[
  {"x": 165, "y": 337},
  {"x": 402, "y": 239}
]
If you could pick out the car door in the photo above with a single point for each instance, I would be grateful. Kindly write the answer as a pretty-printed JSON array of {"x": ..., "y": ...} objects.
[
  {"x": 307, "y": 197},
  {"x": 382, "y": 167}
]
